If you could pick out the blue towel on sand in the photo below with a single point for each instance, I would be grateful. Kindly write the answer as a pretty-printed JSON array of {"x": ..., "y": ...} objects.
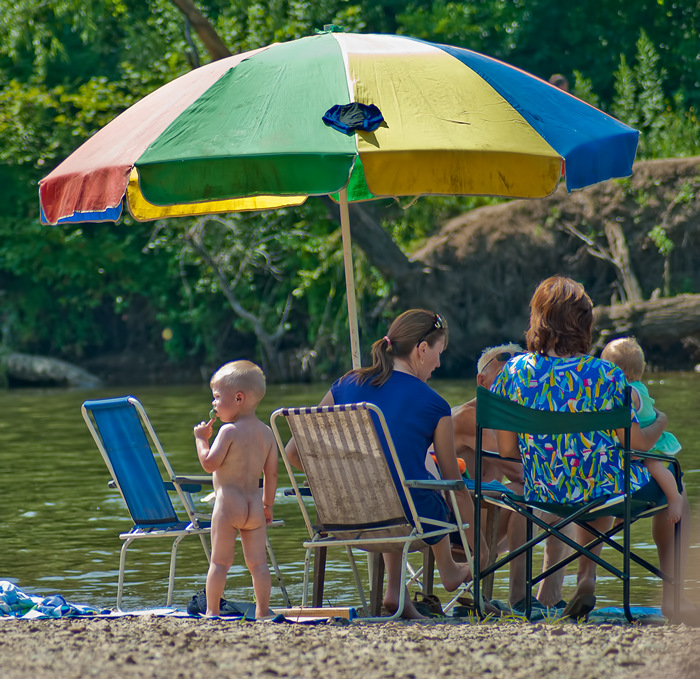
[{"x": 17, "y": 604}]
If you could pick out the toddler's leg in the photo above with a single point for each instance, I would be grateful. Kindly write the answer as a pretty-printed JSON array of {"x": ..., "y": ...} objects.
[
  {"x": 667, "y": 482},
  {"x": 254, "y": 551},
  {"x": 223, "y": 542}
]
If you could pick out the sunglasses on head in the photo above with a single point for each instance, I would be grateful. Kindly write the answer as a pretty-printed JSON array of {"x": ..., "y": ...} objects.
[
  {"x": 502, "y": 357},
  {"x": 438, "y": 324}
]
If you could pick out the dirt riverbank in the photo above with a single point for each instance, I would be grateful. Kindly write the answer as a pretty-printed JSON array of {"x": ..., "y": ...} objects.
[{"x": 149, "y": 646}]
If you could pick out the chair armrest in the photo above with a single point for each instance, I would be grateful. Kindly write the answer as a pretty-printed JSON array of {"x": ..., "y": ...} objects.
[
  {"x": 192, "y": 483},
  {"x": 492, "y": 455},
  {"x": 181, "y": 480},
  {"x": 304, "y": 491},
  {"x": 441, "y": 484},
  {"x": 201, "y": 479},
  {"x": 676, "y": 465}
]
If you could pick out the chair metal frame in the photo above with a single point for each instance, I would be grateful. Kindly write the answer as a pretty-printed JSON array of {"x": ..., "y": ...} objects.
[
  {"x": 149, "y": 503},
  {"x": 496, "y": 412},
  {"x": 350, "y": 430}
]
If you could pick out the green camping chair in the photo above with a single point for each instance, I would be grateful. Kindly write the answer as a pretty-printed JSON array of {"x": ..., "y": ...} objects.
[{"x": 496, "y": 412}]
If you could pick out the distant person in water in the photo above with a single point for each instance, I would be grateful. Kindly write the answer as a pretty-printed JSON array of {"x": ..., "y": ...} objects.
[
  {"x": 243, "y": 450},
  {"x": 627, "y": 355},
  {"x": 558, "y": 80}
]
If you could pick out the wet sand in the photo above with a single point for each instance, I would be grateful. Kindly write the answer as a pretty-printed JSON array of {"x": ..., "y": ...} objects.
[{"x": 150, "y": 646}]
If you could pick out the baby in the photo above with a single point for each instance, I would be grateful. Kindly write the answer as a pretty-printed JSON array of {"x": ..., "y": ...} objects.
[
  {"x": 243, "y": 449},
  {"x": 626, "y": 353}
]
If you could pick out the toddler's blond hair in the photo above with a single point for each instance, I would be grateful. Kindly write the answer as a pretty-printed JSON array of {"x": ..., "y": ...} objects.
[
  {"x": 243, "y": 376},
  {"x": 626, "y": 353}
]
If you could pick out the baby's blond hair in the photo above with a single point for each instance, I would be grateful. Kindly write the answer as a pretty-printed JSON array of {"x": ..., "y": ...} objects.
[
  {"x": 626, "y": 353},
  {"x": 242, "y": 376}
]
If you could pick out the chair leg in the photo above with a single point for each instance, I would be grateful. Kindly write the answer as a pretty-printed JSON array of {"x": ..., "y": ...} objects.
[
  {"x": 319, "y": 576},
  {"x": 493, "y": 514},
  {"x": 377, "y": 584},
  {"x": 677, "y": 584},
  {"x": 428, "y": 570},
  {"x": 171, "y": 575},
  {"x": 402, "y": 579},
  {"x": 278, "y": 573},
  {"x": 305, "y": 590},
  {"x": 528, "y": 571},
  {"x": 358, "y": 579},
  {"x": 122, "y": 563},
  {"x": 378, "y": 581},
  {"x": 205, "y": 546}
]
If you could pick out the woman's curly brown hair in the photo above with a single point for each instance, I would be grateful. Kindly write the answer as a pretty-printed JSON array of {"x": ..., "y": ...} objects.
[{"x": 561, "y": 318}]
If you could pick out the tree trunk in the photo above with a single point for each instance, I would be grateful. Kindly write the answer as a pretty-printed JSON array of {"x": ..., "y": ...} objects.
[
  {"x": 658, "y": 322},
  {"x": 410, "y": 278},
  {"x": 213, "y": 43},
  {"x": 44, "y": 371},
  {"x": 621, "y": 258}
]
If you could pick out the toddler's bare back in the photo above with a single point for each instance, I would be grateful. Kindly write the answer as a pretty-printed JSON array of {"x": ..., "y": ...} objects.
[
  {"x": 237, "y": 480},
  {"x": 248, "y": 444}
]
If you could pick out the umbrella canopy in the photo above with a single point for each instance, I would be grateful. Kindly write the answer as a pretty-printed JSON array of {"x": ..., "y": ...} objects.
[{"x": 248, "y": 133}]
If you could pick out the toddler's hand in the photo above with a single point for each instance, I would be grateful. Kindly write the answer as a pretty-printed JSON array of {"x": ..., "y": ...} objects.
[
  {"x": 268, "y": 514},
  {"x": 204, "y": 430}
]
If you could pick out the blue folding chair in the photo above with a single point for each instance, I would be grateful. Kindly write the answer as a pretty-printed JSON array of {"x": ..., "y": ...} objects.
[{"x": 119, "y": 427}]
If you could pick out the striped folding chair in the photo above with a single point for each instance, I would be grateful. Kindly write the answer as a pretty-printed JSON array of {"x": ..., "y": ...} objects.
[{"x": 357, "y": 503}]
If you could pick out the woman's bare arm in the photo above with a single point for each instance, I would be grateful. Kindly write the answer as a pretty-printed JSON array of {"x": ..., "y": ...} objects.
[{"x": 508, "y": 444}]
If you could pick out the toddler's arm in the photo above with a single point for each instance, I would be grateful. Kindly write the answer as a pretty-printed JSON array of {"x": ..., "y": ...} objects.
[{"x": 202, "y": 433}]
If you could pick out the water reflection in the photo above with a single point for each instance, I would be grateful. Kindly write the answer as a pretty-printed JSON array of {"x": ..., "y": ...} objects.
[{"x": 60, "y": 521}]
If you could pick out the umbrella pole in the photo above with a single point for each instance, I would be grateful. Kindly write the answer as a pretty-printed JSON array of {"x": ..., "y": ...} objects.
[{"x": 349, "y": 279}]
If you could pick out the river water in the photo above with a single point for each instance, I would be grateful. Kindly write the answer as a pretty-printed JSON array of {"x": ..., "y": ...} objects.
[{"x": 60, "y": 522}]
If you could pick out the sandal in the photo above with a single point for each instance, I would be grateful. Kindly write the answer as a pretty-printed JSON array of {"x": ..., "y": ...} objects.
[
  {"x": 428, "y": 604},
  {"x": 579, "y": 607}
]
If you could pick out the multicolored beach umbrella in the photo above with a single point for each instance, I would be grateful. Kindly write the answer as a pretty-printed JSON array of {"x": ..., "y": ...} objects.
[{"x": 248, "y": 133}]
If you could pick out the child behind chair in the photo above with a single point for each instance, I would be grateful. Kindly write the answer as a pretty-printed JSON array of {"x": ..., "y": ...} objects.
[
  {"x": 626, "y": 353},
  {"x": 243, "y": 449}
]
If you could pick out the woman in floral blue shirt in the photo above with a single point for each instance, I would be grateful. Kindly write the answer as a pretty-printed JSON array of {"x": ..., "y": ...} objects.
[{"x": 557, "y": 374}]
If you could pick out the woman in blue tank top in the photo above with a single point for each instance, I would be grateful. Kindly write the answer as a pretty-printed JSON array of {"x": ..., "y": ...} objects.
[{"x": 417, "y": 417}]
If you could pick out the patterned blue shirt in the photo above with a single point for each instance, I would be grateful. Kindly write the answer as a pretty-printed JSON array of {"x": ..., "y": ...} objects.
[{"x": 569, "y": 468}]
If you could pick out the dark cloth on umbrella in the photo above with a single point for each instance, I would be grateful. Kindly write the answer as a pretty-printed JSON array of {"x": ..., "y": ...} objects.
[{"x": 347, "y": 118}]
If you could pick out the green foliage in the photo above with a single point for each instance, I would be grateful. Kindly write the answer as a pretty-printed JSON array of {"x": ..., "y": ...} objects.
[
  {"x": 583, "y": 89},
  {"x": 661, "y": 240},
  {"x": 624, "y": 106},
  {"x": 485, "y": 26},
  {"x": 667, "y": 129},
  {"x": 61, "y": 283},
  {"x": 419, "y": 220},
  {"x": 67, "y": 67}
]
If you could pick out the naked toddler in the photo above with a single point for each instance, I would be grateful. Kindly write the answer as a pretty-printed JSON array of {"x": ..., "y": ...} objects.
[{"x": 244, "y": 448}]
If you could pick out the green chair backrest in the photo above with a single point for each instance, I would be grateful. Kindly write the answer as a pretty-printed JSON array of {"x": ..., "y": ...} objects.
[{"x": 497, "y": 412}]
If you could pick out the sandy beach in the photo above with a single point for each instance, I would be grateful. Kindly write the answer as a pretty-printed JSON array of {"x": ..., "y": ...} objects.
[{"x": 150, "y": 646}]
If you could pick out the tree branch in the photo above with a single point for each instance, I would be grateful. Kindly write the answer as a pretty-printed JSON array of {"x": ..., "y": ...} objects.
[{"x": 212, "y": 42}]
